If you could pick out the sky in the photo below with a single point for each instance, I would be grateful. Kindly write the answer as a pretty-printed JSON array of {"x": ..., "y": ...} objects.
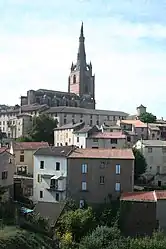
[{"x": 124, "y": 39}]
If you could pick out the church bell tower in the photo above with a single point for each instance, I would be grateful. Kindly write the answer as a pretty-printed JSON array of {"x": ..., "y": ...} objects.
[{"x": 81, "y": 79}]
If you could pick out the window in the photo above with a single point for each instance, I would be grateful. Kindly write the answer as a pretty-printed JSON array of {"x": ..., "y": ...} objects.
[
  {"x": 158, "y": 170},
  {"x": 118, "y": 169},
  {"x": 102, "y": 179},
  {"x": 84, "y": 168},
  {"x": 57, "y": 196},
  {"x": 57, "y": 165},
  {"x": 41, "y": 164},
  {"x": 102, "y": 165},
  {"x": 66, "y": 135},
  {"x": 149, "y": 150},
  {"x": 10, "y": 160},
  {"x": 39, "y": 179},
  {"x": 117, "y": 186},
  {"x": 74, "y": 79},
  {"x": 91, "y": 122},
  {"x": 66, "y": 144},
  {"x": 81, "y": 203},
  {"x": 84, "y": 186},
  {"x": 77, "y": 139},
  {"x": 95, "y": 140},
  {"x": 97, "y": 122},
  {"x": 128, "y": 139},
  {"x": 64, "y": 121},
  {"x": 164, "y": 149},
  {"x": 41, "y": 194},
  {"x": 22, "y": 169},
  {"x": 4, "y": 175},
  {"x": 21, "y": 158},
  {"x": 113, "y": 141}
]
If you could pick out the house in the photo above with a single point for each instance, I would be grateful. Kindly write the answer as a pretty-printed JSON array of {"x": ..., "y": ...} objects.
[
  {"x": 98, "y": 175},
  {"x": 6, "y": 171},
  {"x": 106, "y": 140},
  {"x": 63, "y": 136},
  {"x": 143, "y": 212},
  {"x": 154, "y": 152},
  {"x": 23, "y": 153},
  {"x": 85, "y": 136},
  {"x": 134, "y": 129},
  {"x": 19, "y": 126},
  {"x": 50, "y": 173}
]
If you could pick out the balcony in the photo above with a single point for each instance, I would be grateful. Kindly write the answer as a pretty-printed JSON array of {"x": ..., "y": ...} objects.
[{"x": 57, "y": 183}]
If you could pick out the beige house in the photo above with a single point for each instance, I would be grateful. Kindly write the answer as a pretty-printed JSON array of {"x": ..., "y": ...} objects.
[
  {"x": 113, "y": 140},
  {"x": 6, "y": 171},
  {"x": 154, "y": 152},
  {"x": 99, "y": 175},
  {"x": 14, "y": 121},
  {"x": 19, "y": 126},
  {"x": 23, "y": 154}
]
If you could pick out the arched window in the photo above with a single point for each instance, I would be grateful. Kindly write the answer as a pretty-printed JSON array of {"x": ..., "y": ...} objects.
[{"x": 74, "y": 79}]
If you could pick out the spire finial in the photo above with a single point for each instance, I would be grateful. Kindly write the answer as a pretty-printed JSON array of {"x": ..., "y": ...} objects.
[{"x": 82, "y": 30}]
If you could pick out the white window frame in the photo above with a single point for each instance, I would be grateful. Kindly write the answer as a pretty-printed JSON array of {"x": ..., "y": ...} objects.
[
  {"x": 117, "y": 186},
  {"x": 84, "y": 168},
  {"x": 118, "y": 169},
  {"x": 84, "y": 186}
]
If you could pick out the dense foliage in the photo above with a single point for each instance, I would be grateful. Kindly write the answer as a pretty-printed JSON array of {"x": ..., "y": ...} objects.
[
  {"x": 140, "y": 163},
  {"x": 148, "y": 117},
  {"x": 42, "y": 130},
  {"x": 76, "y": 223},
  {"x": 12, "y": 237}
]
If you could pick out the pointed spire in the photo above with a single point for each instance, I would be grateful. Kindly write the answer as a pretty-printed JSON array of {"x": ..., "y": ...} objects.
[
  {"x": 82, "y": 30},
  {"x": 81, "y": 56}
]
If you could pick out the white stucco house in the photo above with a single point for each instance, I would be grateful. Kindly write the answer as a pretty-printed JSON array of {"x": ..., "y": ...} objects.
[
  {"x": 154, "y": 152},
  {"x": 50, "y": 172}
]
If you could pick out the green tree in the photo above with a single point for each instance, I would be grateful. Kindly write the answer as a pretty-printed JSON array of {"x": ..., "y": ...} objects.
[
  {"x": 140, "y": 164},
  {"x": 147, "y": 118},
  {"x": 43, "y": 129},
  {"x": 102, "y": 237},
  {"x": 77, "y": 223},
  {"x": 24, "y": 139}
]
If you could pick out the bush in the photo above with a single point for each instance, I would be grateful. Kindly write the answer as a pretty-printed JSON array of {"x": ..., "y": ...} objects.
[{"x": 101, "y": 237}]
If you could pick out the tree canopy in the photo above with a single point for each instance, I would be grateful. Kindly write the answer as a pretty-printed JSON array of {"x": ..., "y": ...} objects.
[
  {"x": 77, "y": 223},
  {"x": 42, "y": 130},
  {"x": 148, "y": 117},
  {"x": 140, "y": 164}
]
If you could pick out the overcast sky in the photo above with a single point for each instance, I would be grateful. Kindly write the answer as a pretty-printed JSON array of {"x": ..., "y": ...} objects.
[{"x": 125, "y": 40}]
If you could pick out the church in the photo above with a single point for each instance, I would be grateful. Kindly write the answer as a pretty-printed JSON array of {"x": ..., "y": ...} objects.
[{"x": 81, "y": 85}]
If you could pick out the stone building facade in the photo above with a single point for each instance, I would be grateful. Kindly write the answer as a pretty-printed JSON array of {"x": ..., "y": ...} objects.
[{"x": 81, "y": 86}]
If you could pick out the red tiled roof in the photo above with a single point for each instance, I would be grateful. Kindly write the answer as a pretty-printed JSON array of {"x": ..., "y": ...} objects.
[
  {"x": 3, "y": 149},
  {"x": 137, "y": 123},
  {"x": 160, "y": 194},
  {"x": 29, "y": 145},
  {"x": 102, "y": 153},
  {"x": 139, "y": 196},
  {"x": 109, "y": 135}
]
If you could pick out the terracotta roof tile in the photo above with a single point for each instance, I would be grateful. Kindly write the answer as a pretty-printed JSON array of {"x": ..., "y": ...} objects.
[
  {"x": 160, "y": 194},
  {"x": 136, "y": 123},
  {"x": 109, "y": 135},
  {"x": 30, "y": 145},
  {"x": 102, "y": 153},
  {"x": 139, "y": 196}
]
